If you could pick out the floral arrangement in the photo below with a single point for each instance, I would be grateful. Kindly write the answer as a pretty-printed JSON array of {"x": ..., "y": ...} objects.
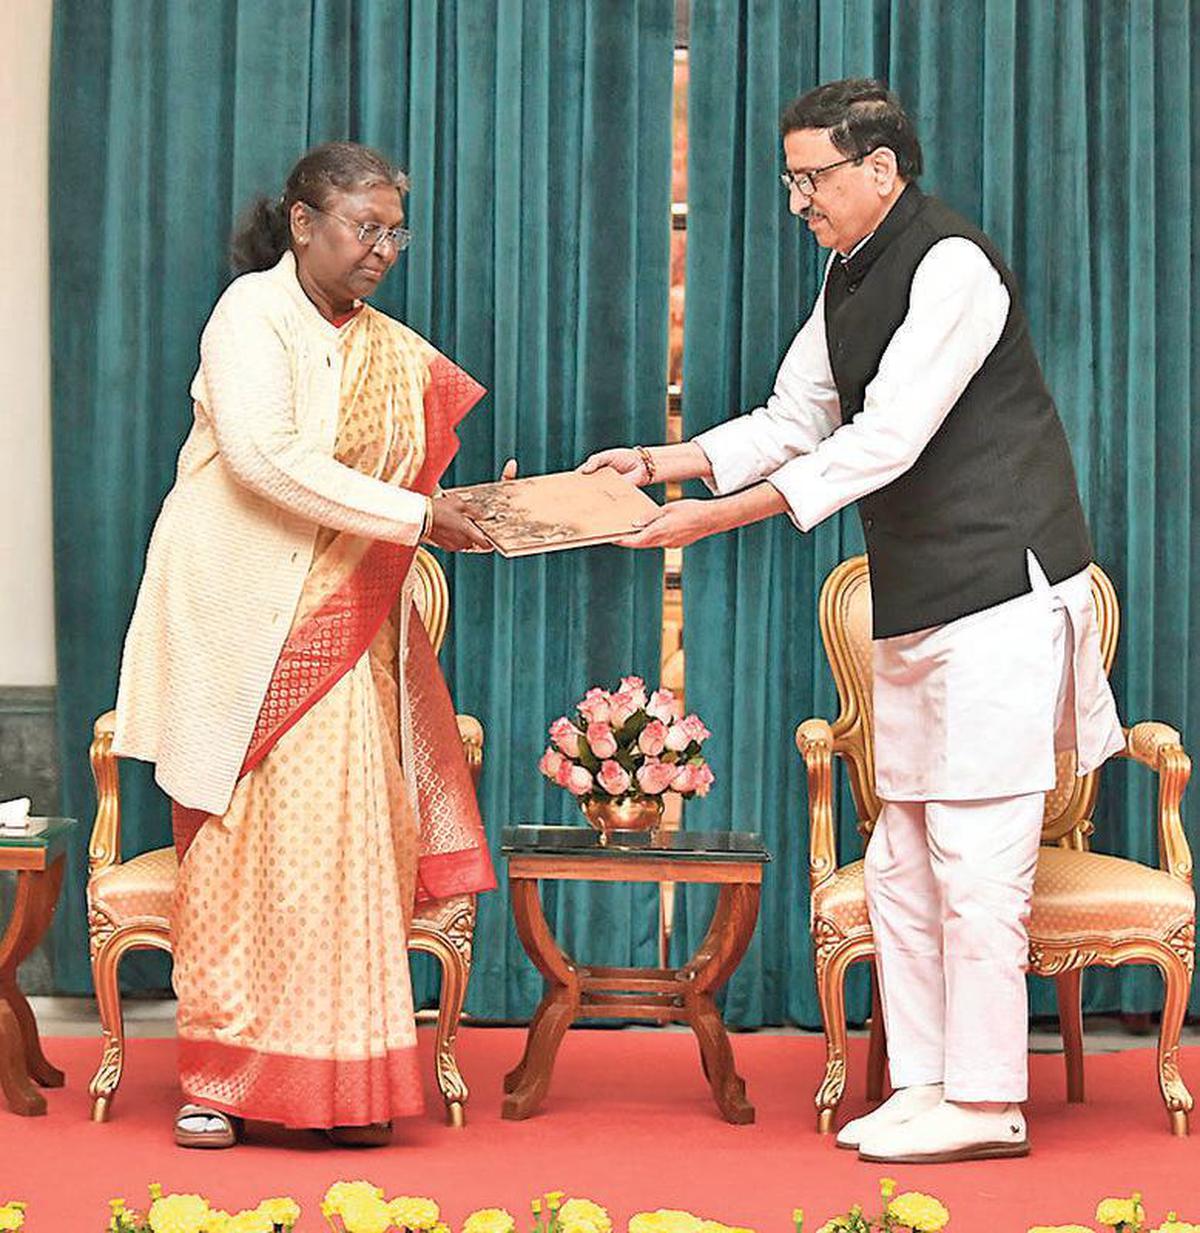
[
  {"x": 626, "y": 744},
  {"x": 12, "y": 1215},
  {"x": 916, "y": 1212},
  {"x": 360, "y": 1207},
  {"x": 191, "y": 1213},
  {"x": 1122, "y": 1216}
]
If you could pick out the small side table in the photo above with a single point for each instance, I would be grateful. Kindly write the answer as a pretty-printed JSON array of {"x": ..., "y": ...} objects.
[
  {"x": 733, "y": 860},
  {"x": 39, "y": 860}
]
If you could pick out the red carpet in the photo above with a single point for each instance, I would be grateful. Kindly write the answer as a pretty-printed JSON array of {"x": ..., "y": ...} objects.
[{"x": 629, "y": 1123}]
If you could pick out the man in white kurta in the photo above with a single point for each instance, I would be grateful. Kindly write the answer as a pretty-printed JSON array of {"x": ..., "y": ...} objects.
[{"x": 969, "y": 712}]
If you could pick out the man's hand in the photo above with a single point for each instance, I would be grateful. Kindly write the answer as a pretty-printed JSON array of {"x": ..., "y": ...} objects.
[
  {"x": 626, "y": 462},
  {"x": 679, "y": 524},
  {"x": 453, "y": 530}
]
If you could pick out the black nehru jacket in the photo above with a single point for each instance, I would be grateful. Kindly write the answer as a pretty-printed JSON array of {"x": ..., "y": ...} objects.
[{"x": 948, "y": 537}]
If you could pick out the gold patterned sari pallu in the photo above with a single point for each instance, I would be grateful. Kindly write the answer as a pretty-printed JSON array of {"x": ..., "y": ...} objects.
[{"x": 291, "y": 932}]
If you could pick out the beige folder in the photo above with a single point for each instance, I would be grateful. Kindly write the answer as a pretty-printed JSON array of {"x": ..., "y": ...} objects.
[{"x": 546, "y": 513}]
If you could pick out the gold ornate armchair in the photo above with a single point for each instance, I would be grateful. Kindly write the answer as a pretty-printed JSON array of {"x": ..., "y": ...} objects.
[
  {"x": 129, "y": 902},
  {"x": 1087, "y": 908}
]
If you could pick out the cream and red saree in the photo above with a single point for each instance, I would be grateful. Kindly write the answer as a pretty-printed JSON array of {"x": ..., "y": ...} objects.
[{"x": 292, "y": 917}]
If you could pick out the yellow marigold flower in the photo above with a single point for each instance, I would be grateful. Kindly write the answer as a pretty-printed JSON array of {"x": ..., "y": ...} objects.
[
  {"x": 178, "y": 1213},
  {"x": 252, "y": 1221},
  {"x": 584, "y": 1209},
  {"x": 797, "y": 1216},
  {"x": 284, "y": 1210},
  {"x": 887, "y": 1186},
  {"x": 1114, "y": 1212},
  {"x": 489, "y": 1220},
  {"x": 832, "y": 1226},
  {"x": 536, "y": 1205},
  {"x": 1061, "y": 1228},
  {"x": 919, "y": 1212},
  {"x": 1173, "y": 1224},
  {"x": 12, "y": 1216},
  {"x": 155, "y": 1189},
  {"x": 577, "y": 1225},
  {"x": 665, "y": 1220},
  {"x": 715, "y": 1226},
  {"x": 217, "y": 1221},
  {"x": 339, "y": 1192},
  {"x": 414, "y": 1213},
  {"x": 365, "y": 1213}
]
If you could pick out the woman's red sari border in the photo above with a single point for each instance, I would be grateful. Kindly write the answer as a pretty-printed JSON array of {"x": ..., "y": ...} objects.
[{"x": 302, "y": 1092}]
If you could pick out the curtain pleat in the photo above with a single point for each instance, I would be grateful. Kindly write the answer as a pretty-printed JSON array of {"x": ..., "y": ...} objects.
[
  {"x": 537, "y": 138},
  {"x": 1067, "y": 132}
]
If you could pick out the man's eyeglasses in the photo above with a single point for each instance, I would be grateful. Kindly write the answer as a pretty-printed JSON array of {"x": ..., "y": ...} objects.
[
  {"x": 371, "y": 234},
  {"x": 805, "y": 182}
]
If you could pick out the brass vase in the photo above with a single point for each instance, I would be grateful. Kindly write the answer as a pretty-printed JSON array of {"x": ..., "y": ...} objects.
[{"x": 631, "y": 813}]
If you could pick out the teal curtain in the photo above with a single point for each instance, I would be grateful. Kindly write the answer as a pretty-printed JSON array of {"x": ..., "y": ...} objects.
[
  {"x": 1066, "y": 131},
  {"x": 538, "y": 141}
]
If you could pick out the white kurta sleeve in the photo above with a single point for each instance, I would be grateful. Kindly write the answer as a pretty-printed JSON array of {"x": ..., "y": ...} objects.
[
  {"x": 801, "y": 412},
  {"x": 248, "y": 379},
  {"x": 957, "y": 309}
]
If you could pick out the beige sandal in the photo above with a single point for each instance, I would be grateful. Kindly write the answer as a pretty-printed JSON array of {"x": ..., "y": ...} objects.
[{"x": 225, "y": 1133}]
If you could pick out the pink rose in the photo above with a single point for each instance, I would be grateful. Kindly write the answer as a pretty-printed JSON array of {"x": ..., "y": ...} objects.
[
  {"x": 663, "y": 705},
  {"x": 613, "y": 778},
  {"x": 693, "y": 725},
  {"x": 654, "y": 777},
  {"x": 562, "y": 776},
  {"x": 635, "y": 687},
  {"x": 566, "y": 736},
  {"x": 652, "y": 738},
  {"x": 677, "y": 738},
  {"x": 685, "y": 778},
  {"x": 579, "y": 781},
  {"x": 600, "y": 740},
  {"x": 550, "y": 762},
  {"x": 595, "y": 706},
  {"x": 704, "y": 779},
  {"x": 624, "y": 707}
]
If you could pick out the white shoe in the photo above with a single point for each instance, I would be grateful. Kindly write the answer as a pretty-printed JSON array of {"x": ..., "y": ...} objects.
[
  {"x": 950, "y": 1132},
  {"x": 901, "y": 1106}
]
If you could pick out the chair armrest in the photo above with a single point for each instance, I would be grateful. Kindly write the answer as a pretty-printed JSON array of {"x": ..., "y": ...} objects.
[
  {"x": 470, "y": 732},
  {"x": 104, "y": 847},
  {"x": 1158, "y": 746},
  {"x": 814, "y": 740}
]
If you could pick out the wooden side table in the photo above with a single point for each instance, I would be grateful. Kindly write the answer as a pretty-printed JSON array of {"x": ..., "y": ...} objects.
[
  {"x": 39, "y": 860},
  {"x": 733, "y": 860}
]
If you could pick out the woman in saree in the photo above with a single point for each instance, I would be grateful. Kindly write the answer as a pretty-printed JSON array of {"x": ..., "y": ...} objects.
[{"x": 278, "y": 678}]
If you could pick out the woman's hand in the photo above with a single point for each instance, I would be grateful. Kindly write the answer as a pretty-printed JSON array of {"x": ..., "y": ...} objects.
[
  {"x": 452, "y": 529},
  {"x": 680, "y": 523},
  {"x": 626, "y": 462}
]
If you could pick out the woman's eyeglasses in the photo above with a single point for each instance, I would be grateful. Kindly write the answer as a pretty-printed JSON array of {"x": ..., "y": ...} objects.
[{"x": 371, "y": 234}]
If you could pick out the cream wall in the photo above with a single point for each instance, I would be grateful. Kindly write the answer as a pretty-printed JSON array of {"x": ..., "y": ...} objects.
[{"x": 26, "y": 560}]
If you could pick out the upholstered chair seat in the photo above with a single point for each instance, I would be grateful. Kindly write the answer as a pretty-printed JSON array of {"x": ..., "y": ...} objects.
[
  {"x": 130, "y": 901},
  {"x": 1080, "y": 895},
  {"x": 138, "y": 890},
  {"x": 1087, "y": 908}
]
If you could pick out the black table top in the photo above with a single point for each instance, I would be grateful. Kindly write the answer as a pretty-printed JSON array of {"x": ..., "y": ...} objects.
[{"x": 582, "y": 841}]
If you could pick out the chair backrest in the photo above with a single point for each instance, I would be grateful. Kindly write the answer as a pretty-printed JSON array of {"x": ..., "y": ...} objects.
[
  {"x": 845, "y": 613},
  {"x": 431, "y": 595}
]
